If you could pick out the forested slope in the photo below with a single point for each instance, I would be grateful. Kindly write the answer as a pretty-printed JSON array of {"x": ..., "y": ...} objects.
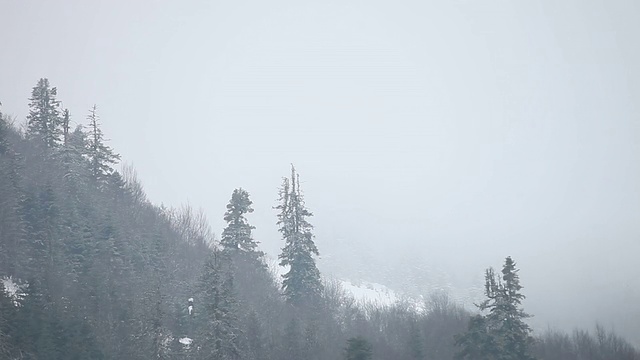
[{"x": 94, "y": 270}]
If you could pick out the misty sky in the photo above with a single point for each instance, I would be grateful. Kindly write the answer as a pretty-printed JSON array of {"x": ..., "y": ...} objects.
[{"x": 455, "y": 131}]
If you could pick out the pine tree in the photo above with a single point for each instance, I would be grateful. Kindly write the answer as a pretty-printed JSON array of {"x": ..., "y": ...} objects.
[
  {"x": 476, "y": 343},
  {"x": 302, "y": 282},
  {"x": 101, "y": 156},
  {"x": 75, "y": 166},
  {"x": 237, "y": 234},
  {"x": 506, "y": 315},
  {"x": 358, "y": 348},
  {"x": 40, "y": 236},
  {"x": 219, "y": 336},
  {"x": 44, "y": 122},
  {"x": 501, "y": 334}
]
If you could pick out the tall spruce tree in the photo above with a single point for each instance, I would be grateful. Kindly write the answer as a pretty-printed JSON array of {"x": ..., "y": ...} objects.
[
  {"x": 101, "y": 156},
  {"x": 506, "y": 315},
  {"x": 44, "y": 121},
  {"x": 502, "y": 333},
  {"x": 237, "y": 234},
  {"x": 219, "y": 335},
  {"x": 302, "y": 282}
]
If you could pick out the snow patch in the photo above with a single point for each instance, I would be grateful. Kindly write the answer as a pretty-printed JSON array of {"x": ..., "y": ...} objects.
[
  {"x": 185, "y": 341},
  {"x": 14, "y": 288},
  {"x": 370, "y": 292}
]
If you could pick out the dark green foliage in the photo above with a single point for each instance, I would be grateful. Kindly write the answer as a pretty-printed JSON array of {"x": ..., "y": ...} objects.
[
  {"x": 358, "y": 348},
  {"x": 7, "y": 323},
  {"x": 302, "y": 282},
  {"x": 44, "y": 121},
  {"x": 502, "y": 333},
  {"x": 477, "y": 343},
  {"x": 10, "y": 221},
  {"x": 219, "y": 334},
  {"x": 101, "y": 156},
  {"x": 237, "y": 234}
]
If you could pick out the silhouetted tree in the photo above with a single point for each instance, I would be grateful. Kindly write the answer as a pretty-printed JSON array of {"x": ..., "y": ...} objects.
[
  {"x": 237, "y": 235},
  {"x": 101, "y": 156},
  {"x": 502, "y": 333},
  {"x": 219, "y": 336},
  {"x": 44, "y": 122},
  {"x": 302, "y": 282}
]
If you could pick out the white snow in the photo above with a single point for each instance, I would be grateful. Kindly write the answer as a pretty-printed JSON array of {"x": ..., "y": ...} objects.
[
  {"x": 185, "y": 341},
  {"x": 13, "y": 289},
  {"x": 370, "y": 292},
  {"x": 190, "y": 300},
  {"x": 190, "y": 309}
]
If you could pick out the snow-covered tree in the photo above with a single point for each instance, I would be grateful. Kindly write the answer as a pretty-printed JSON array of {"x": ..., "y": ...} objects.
[
  {"x": 3, "y": 134},
  {"x": 302, "y": 282},
  {"x": 44, "y": 121},
  {"x": 502, "y": 333},
  {"x": 237, "y": 234},
  {"x": 101, "y": 156},
  {"x": 219, "y": 335}
]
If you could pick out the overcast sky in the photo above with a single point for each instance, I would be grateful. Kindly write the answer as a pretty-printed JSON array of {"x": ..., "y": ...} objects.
[{"x": 457, "y": 131}]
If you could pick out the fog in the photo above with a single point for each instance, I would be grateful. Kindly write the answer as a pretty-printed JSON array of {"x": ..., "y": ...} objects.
[{"x": 450, "y": 134}]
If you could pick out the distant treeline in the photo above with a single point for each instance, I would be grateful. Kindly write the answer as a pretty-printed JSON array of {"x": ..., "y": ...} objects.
[{"x": 91, "y": 269}]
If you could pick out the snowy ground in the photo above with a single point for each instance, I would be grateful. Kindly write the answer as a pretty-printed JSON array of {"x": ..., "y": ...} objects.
[
  {"x": 370, "y": 292},
  {"x": 13, "y": 289}
]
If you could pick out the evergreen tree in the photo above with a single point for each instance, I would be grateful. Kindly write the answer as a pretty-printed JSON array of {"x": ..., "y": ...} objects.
[
  {"x": 237, "y": 234},
  {"x": 75, "y": 167},
  {"x": 507, "y": 316},
  {"x": 101, "y": 156},
  {"x": 477, "y": 343},
  {"x": 254, "y": 337},
  {"x": 3, "y": 134},
  {"x": 39, "y": 238},
  {"x": 302, "y": 282},
  {"x": 501, "y": 334},
  {"x": 219, "y": 336},
  {"x": 37, "y": 331},
  {"x": 44, "y": 122},
  {"x": 66, "y": 118},
  {"x": 7, "y": 314},
  {"x": 292, "y": 341},
  {"x": 358, "y": 348}
]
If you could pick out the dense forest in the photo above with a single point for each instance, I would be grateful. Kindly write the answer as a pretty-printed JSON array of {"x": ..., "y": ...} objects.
[{"x": 92, "y": 269}]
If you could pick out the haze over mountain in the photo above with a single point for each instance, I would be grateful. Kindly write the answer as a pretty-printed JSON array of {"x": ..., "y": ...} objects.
[{"x": 435, "y": 136}]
